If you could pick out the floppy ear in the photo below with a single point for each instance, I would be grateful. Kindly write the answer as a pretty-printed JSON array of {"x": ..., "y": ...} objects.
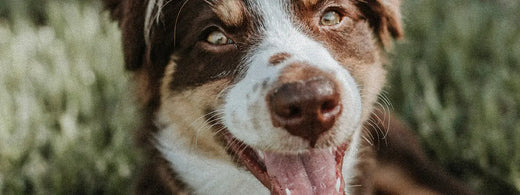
[
  {"x": 130, "y": 16},
  {"x": 385, "y": 17}
]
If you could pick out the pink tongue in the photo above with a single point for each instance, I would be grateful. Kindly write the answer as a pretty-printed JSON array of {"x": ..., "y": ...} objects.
[{"x": 308, "y": 173}]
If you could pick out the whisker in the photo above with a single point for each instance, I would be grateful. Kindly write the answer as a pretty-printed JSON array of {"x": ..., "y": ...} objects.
[
  {"x": 376, "y": 128},
  {"x": 207, "y": 124},
  {"x": 211, "y": 4},
  {"x": 203, "y": 117},
  {"x": 388, "y": 104},
  {"x": 367, "y": 140}
]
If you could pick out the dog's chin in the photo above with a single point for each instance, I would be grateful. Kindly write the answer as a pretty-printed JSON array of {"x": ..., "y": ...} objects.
[{"x": 312, "y": 171}]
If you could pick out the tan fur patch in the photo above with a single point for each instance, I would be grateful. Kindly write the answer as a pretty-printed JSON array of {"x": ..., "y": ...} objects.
[
  {"x": 309, "y": 3},
  {"x": 279, "y": 58},
  {"x": 371, "y": 78},
  {"x": 186, "y": 110},
  {"x": 231, "y": 12},
  {"x": 142, "y": 87}
]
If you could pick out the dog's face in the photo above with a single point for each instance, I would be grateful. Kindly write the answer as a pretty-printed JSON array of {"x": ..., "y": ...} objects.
[{"x": 278, "y": 87}]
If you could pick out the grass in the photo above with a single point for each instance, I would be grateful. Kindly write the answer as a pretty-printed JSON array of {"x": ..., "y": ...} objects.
[
  {"x": 456, "y": 80},
  {"x": 65, "y": 126},
  {"x": 66, "y": 120}
]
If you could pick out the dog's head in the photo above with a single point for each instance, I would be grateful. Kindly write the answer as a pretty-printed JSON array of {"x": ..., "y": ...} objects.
[{"x": 281, "y": 87}]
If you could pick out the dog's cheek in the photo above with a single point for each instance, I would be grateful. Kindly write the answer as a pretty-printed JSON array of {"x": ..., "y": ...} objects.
[
  {"x": 374, "y": 79},
  {"x": 353, "y": 102},
  {"x": 362, "y": 56},
  {"x": 237, "y": 119},
  {"x": 245, "y": 111},
  {"x": 182, "y": 114}
]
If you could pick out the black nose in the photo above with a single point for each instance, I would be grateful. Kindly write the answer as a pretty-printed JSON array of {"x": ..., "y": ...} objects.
[{"x": 305, "y": 108}]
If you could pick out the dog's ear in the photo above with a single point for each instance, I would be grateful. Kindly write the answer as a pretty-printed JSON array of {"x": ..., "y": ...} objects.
[
  {"x": 385, "y": 17},
  {"x": 130, "y": 16}
]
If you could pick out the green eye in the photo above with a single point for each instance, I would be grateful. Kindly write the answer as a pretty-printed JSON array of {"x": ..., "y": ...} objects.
[
  {"x": 330, "y": 18},
  {"x": 218, "y": 38}
]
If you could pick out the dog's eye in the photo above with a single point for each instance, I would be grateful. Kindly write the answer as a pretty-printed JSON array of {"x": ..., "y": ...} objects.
[
  {"x": 218, "y": 38},
  {"x": 330, "y": 18}
]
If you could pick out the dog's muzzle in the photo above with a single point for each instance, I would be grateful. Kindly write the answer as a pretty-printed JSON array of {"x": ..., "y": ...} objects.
[{"x": 304, "y": 103}]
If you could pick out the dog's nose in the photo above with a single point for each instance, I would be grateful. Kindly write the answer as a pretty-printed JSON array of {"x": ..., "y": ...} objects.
[{"x": 305, "y": 108}]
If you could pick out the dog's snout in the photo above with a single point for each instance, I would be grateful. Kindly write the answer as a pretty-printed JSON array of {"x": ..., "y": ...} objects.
[{"x": 306, "y": 108}]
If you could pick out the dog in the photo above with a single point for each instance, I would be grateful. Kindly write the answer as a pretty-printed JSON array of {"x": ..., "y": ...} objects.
[{"x": 269, "y": 96}]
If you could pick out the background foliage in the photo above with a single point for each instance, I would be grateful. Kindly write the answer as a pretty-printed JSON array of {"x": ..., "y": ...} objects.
[
  {"x": 66, "y": 119},
  {"x": 456, "y": 80}
]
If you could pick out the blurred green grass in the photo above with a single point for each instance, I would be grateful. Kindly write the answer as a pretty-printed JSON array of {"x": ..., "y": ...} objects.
[
  {"x": 66, "y": 118},
  {"x": 456, "y": 80}
]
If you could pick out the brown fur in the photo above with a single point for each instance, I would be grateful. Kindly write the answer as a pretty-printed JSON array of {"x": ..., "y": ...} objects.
[
  {"x": 231, "y": 12},
  {"x": 399, "y": 154},
  {"x": 188, "y": 105},
  {"x": 279, "y": 58},
  {"x": 355, "y": 48},
  {"x": 395, "y": 156},
  {"x": 309, "y": 3}
]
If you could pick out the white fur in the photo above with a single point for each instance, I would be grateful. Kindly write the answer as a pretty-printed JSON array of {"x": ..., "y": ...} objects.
[
  {"x": 350, "y": 161},
  {"x": 246, "y": 113},
  {"x": 206, "y": 175},
  {"x": 149, "y": 19}
]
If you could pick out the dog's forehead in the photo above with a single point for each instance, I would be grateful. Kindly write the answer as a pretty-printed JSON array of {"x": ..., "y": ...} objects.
[
  {"x": 309, "y": 3},
  {"x": 231, "y": 12}
]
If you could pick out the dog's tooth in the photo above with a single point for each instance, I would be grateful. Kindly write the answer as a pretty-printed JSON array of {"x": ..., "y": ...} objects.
[
  {"x": 287, "y": 191},
  {"x": 338, "y": 184},
  {"x": 331, "y": 151}
]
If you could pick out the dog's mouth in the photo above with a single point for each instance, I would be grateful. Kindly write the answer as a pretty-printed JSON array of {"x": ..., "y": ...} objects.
[{"x": 316, "y": 171}]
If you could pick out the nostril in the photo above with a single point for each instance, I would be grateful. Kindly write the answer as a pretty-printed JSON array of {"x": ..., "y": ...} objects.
[
  {"x": 294, "y": 112},
  {"x": 288, "y": 112},
  {"x": 328, "y": 106}
]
